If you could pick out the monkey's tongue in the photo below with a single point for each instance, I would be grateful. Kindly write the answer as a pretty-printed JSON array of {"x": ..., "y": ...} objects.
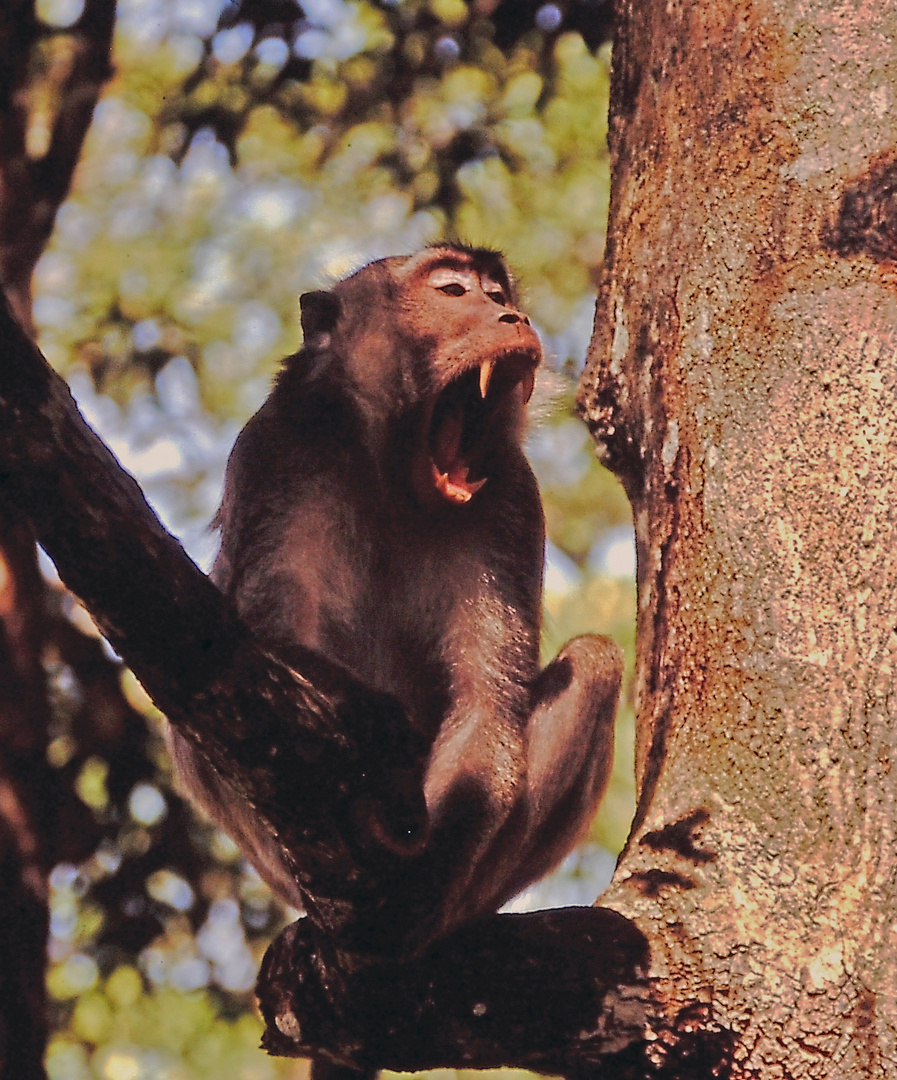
[{"x": 450, "y": 470}]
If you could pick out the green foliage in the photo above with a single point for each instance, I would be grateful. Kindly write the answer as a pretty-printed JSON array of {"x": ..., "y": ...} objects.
[
  {"x": 118, "y": 1031},
  {"x": 185, "y": 246}
]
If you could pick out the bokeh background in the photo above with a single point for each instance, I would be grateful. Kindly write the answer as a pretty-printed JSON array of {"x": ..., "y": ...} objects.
[{"x": 245, "y": 152}]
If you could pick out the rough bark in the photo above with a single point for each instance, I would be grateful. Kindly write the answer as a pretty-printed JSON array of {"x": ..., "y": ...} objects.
[{"x": 742, "y": 383}]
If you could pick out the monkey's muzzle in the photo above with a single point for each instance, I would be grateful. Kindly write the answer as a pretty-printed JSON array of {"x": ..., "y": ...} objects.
[{"x": 464, "y": 416}]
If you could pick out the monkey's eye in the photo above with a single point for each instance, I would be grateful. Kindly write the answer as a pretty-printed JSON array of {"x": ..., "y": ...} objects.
[
  {"x": 494, "y": 289},
  {"x": 453, "y": 281}
]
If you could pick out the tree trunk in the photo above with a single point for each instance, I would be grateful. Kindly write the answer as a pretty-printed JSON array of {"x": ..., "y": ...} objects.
[
  {"x": 34, "y": 181},
  {"x": 743, "y": 384}
]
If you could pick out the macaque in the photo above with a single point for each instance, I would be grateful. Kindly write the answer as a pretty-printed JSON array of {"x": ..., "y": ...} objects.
[{"x": 379, "y": 509}]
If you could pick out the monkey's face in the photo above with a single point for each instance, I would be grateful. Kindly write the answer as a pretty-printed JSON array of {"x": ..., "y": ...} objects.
[
  {"x": 476, "y": 372},
  {"x": 439, "y": 360}
]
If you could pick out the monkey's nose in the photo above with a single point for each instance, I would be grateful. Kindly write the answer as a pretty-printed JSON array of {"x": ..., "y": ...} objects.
[{"x": 513, "y": 317}]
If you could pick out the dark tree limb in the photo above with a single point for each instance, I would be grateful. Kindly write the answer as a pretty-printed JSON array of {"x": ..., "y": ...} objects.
[
  {"x": 88, "y": 70},
  {"x": 34, "y": 184},
  {"x": 28, "y": 804},
  {"x": 558, "y": 991}
]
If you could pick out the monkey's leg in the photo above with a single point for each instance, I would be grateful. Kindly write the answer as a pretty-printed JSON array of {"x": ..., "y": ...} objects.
[
  {"x": 570, "y": 742},
  {"x": 476, "y": 771}
]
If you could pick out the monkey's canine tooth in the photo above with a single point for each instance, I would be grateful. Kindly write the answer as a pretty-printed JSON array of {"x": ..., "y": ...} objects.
[
  {"x": 528, "y": 382},
  {"x": 485, "y": 376}
]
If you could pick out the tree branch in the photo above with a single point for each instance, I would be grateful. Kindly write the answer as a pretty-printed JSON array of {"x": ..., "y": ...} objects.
[
  {"x": 89, "y": 69},
  {"x": 556, "y": 991},
  {"x": 33, "y": 188}
]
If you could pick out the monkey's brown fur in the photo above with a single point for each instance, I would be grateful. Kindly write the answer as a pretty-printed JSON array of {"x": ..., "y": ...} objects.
[{"x": 379, "y": 509}]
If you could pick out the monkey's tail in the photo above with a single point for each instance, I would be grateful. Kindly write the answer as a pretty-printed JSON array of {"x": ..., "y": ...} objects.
[{"x": 322, "y": 1069}]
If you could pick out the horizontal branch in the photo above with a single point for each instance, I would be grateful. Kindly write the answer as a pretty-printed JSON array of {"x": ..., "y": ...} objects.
[
  {"x": 555, "y": 991},
  {"x": 332, "y": 766}
]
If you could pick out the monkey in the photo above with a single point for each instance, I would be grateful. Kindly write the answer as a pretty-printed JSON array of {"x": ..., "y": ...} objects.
[{"x": 379, "y": 510}]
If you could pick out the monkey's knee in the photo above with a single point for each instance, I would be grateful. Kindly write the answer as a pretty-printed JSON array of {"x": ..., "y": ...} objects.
[{"x": 582, "y": 683}]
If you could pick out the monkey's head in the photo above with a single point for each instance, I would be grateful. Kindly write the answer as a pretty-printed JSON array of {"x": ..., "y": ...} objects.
[{"x": 437, "y": 358}]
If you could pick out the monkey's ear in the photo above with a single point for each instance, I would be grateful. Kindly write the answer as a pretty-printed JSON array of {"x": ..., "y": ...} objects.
[{"x": 319, "y": 311}]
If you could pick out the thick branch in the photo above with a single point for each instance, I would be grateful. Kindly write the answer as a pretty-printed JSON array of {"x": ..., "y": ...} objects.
[{"x": 558, "y": 991}]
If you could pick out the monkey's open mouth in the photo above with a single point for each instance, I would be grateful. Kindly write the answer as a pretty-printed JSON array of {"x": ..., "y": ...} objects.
[{"x": 462, "y": 418}]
